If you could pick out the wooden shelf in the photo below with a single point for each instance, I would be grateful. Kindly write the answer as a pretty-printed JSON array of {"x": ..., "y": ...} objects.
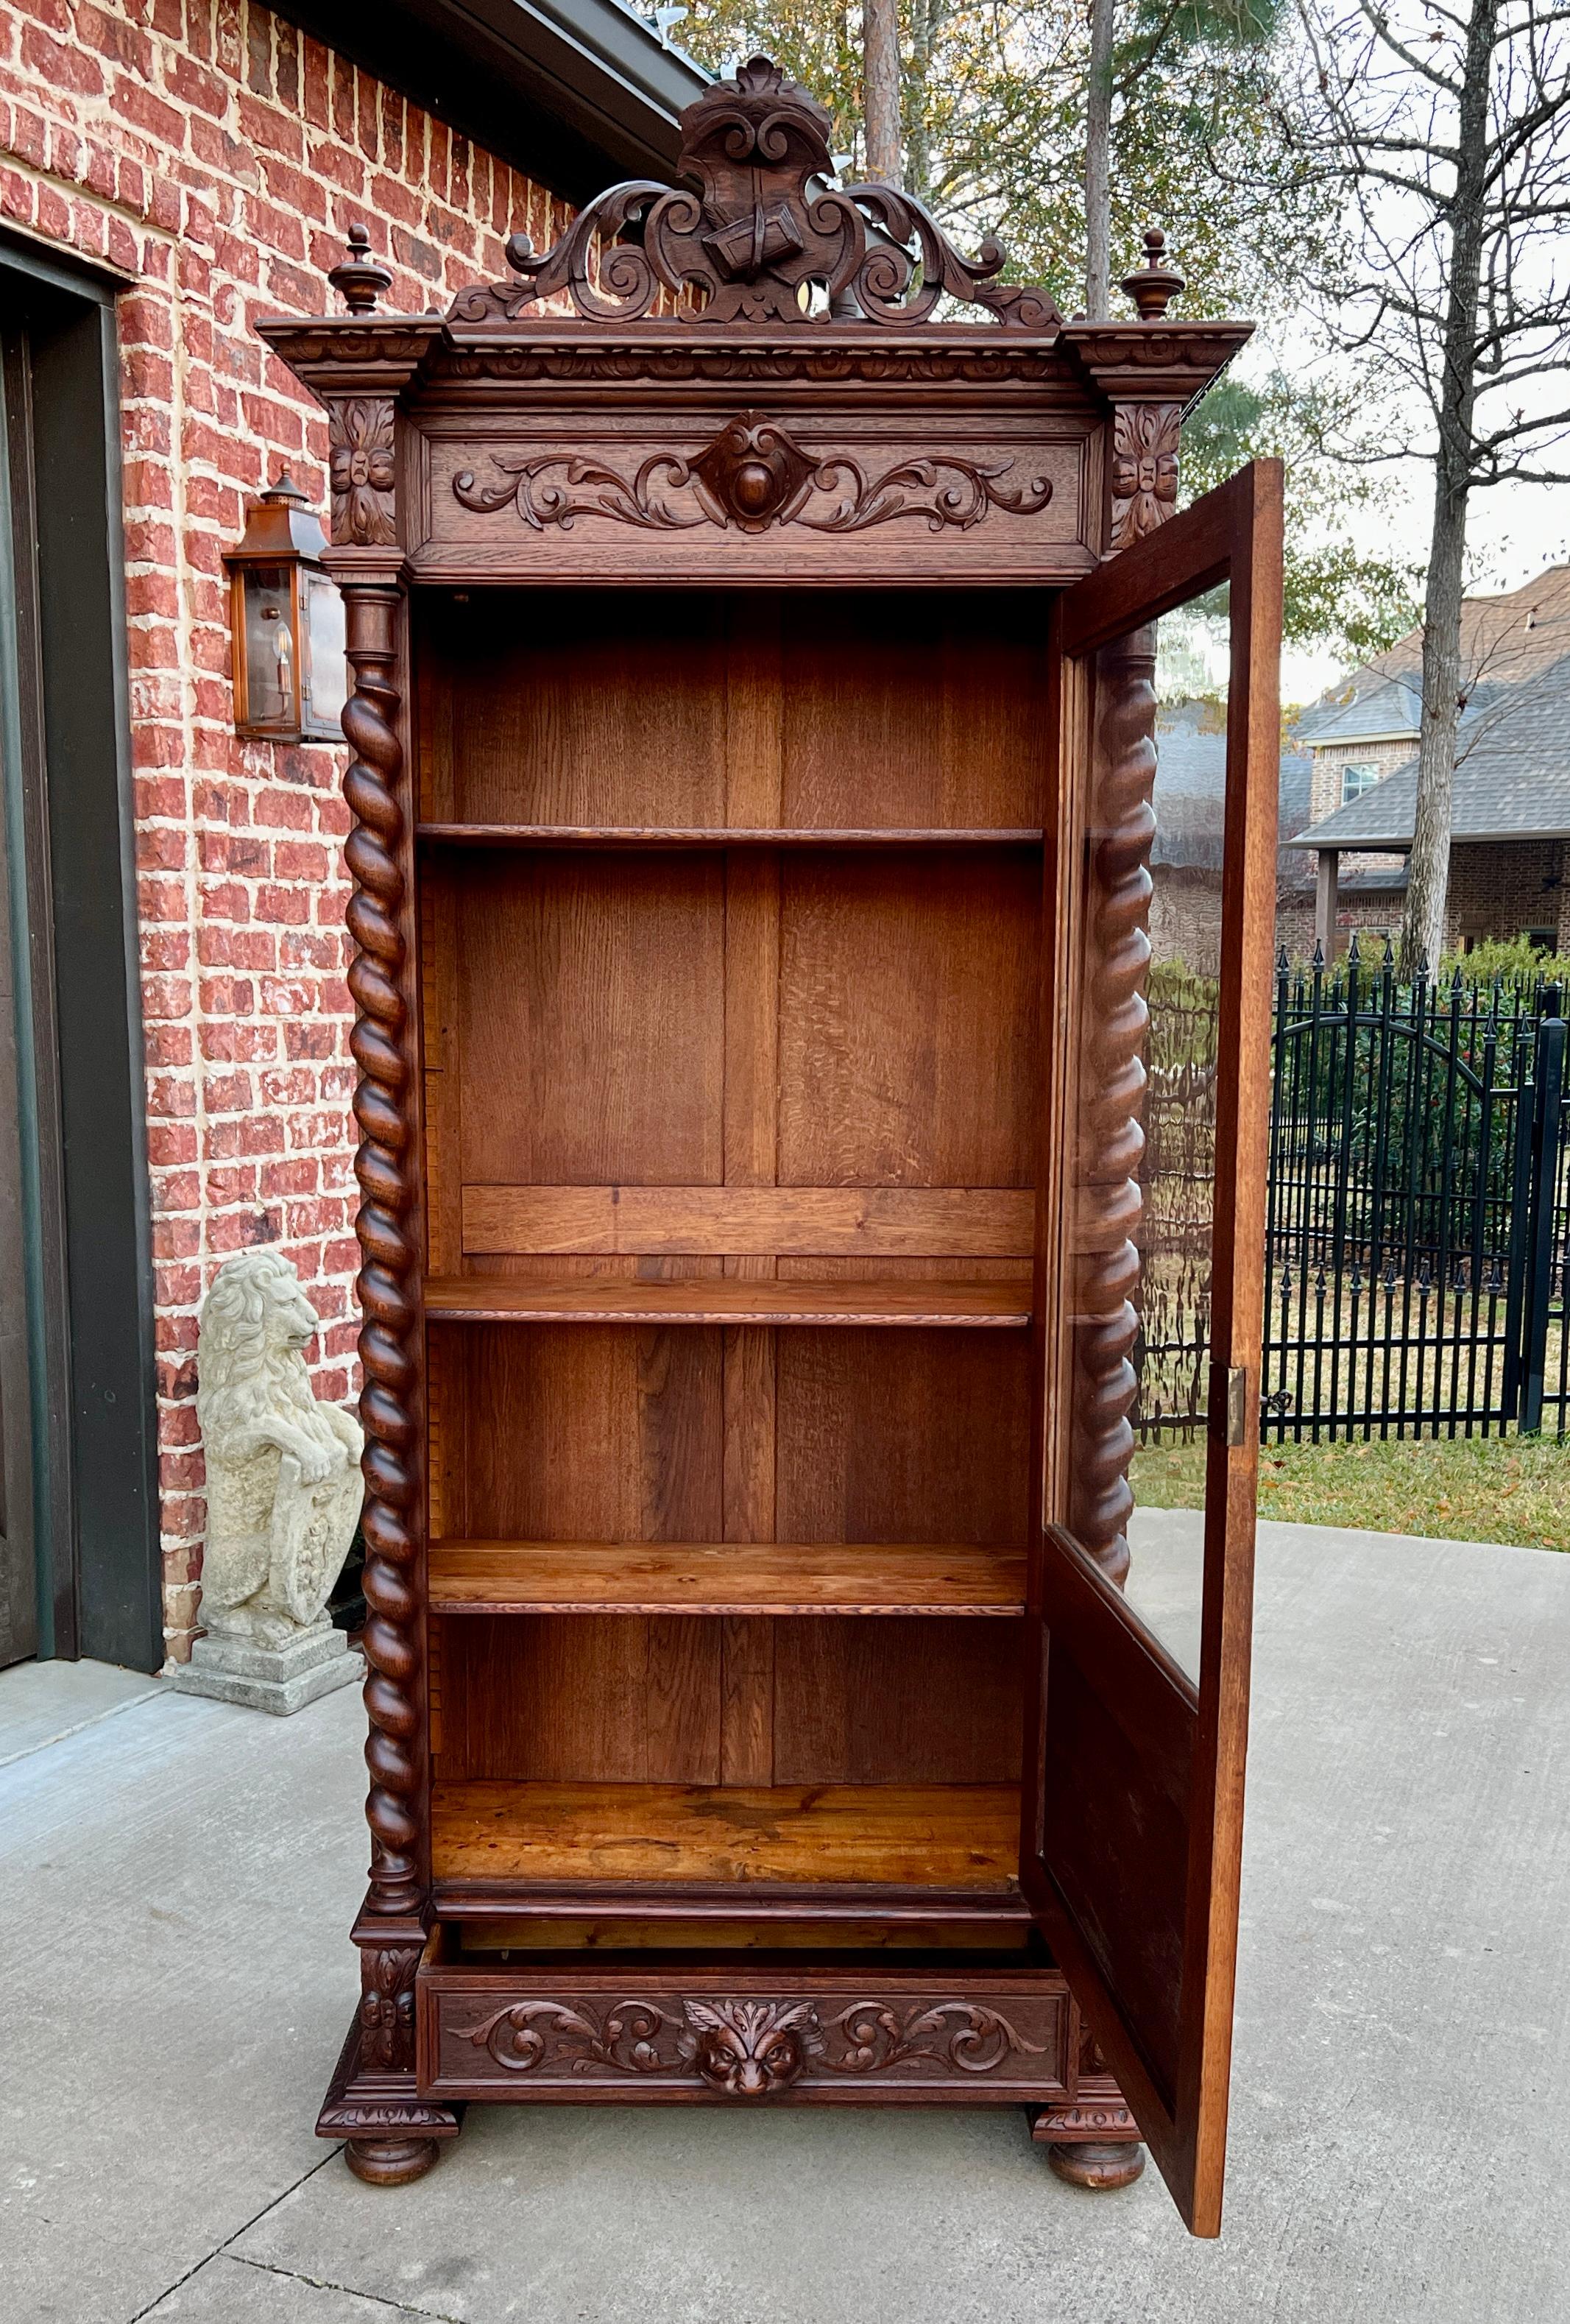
[
  {"x": 939, "y": 1835},
  {"x": 553, "y": 835},
  {"x": 584, "y": 1577},
  {"x": 715, "y": 1299}
]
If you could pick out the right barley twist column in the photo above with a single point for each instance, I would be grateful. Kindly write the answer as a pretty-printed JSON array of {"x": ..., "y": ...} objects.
[{"x": 1109, "y": 1138}]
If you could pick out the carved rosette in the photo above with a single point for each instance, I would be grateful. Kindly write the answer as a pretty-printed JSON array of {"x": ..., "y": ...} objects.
[
  {"x": 1144, "y": 468},
  {"x": 748, "y": 2047},
  {"x": 383, "y": 1165},
  {"x": 1111, "y": 1141},
  {"x": 752, "y": 475},
  {"x": 361, "y": 472}
]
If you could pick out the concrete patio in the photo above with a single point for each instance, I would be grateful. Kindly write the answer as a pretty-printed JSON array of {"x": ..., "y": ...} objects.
[{"x": 179, "y": 1877}]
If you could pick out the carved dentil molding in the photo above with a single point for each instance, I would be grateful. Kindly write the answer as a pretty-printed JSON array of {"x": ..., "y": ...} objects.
[{"x": 753, "y": 475}]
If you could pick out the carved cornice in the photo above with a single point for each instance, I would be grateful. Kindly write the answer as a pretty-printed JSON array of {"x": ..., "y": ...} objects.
[
  {"x": 346, "y": 355},
  {"x": 753, "y": 228},
  {"x": 1160, "y": 361},
  {"x": 753, "y": 475}
]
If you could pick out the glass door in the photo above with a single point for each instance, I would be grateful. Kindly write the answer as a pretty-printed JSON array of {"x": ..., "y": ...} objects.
[{"x": 1161, "y": 888}]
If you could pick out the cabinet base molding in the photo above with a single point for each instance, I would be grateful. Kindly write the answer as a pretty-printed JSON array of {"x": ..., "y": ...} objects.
[{"x": 392, "y": 2130}]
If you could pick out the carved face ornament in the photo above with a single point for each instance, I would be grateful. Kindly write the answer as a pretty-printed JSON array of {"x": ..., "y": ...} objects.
[{"x": 748, "y": 2049}]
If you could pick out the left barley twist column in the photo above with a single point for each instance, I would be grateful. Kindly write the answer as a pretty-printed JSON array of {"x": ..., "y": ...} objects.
[{"x": 389, "y": 1255}]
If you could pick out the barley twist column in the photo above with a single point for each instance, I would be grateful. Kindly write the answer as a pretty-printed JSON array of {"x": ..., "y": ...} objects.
[
  {"x": 1111, "y": 1138},
  {"x": 383, "y": 1166}
]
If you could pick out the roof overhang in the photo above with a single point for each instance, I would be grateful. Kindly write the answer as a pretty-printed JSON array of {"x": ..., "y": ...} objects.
[
  {"x": 1361, "y": 741},
  {"x": 573, "y": 93},
  {"x": 1399, "y": 842}
]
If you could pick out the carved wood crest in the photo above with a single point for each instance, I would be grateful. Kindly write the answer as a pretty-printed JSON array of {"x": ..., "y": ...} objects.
[
  {"x": 753, "y": 475},
  {"x": 754, "y": 227}
]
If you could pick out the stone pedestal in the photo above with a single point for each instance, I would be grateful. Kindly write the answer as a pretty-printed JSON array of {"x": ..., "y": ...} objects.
[{"x": 279, "y": 1679}]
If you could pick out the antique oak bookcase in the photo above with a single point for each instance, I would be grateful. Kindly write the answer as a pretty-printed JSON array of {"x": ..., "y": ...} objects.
[{"x": 751, "y": 612}]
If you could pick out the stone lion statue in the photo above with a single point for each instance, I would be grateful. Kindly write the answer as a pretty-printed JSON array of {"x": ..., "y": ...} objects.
[{"x": 283, "y": 1471}]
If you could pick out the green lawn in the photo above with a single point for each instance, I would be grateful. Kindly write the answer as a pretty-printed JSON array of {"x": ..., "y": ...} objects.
[{"x": 1509, "y": 1489}]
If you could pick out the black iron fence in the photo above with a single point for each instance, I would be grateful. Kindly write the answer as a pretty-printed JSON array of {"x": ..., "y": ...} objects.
[{"x": 1418, "y": 1239}]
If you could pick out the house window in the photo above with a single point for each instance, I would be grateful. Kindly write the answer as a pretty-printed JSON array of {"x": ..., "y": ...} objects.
[{"x": 1359, "y": 776}]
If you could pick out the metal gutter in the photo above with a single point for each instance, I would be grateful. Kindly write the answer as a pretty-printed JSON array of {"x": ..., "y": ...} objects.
[{"x": 574, "y": 93}]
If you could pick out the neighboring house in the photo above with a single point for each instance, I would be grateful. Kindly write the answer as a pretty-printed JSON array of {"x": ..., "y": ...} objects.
[
  {"x": 1189, "y": 802},
  {"x": 1511, "y": 818},
  {"x": 168, "y": 172}
]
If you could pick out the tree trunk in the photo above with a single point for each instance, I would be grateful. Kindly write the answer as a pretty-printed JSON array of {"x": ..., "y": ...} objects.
[
  {"x": 1098, "y": 164},
  {"x": 880, "y": 87},
  {"x": 926, "y": 22},
  {"x": 1428, "y": 865}
]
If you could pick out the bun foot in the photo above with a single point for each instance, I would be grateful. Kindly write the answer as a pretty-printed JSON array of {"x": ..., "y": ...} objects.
[
  {"x": 1099, "y": 2167},
  {"x": 390, "y": 2161}
]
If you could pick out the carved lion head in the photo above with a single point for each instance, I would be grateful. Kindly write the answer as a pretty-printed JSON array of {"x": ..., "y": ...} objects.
[
  {"x": 255, "y": 1312},
  {"x": 749, "y": 2049}
]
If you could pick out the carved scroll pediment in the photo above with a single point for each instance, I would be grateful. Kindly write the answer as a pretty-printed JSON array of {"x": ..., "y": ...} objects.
[
  {"x": 752, "y": 475},
  {"x": 754, "y": 226}
]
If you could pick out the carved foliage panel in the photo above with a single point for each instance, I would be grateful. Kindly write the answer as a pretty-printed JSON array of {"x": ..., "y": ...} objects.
[
  {"x": 754, "y": 496},
  {"x": 648, "y": 2041}
]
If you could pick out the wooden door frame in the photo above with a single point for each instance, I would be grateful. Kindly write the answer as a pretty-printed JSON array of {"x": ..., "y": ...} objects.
[
  {"x": 89, "y": 1228},
  {"x": 1194, "y": 1737}
]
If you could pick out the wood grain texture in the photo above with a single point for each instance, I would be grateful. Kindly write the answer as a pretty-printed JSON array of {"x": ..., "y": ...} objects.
[
  {"x": 907, "y": 1027},
  {"x": 941, "y": 1835},
  {"x": 723, "y": 1578},
  {"x": 604, "y": 1698},
  {"x": 545, "y": 834},
  {"x": 976, "y": 1306},
  {"x": 592, "y": 1032},
  {"x": 928, "y": 1699},
  {"x": 592, "y": 1433},
  {"x": 876, "y": 1222}
]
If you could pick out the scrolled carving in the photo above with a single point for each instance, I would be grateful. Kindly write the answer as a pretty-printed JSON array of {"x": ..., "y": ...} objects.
[
  {"x": 536, "y": 2032},
  {"x": 967, "y": 2035},
  {"x": 382, "y": 1164},
  {"x": 754, "y": 227},
  {"x": 752, "y": 475},
  {"x": 747, "y": 2047},
  {"x": 1144, "y": 468},
  {"x": 1111, "y": 1138},
  {"x": 362, "y": 473}
]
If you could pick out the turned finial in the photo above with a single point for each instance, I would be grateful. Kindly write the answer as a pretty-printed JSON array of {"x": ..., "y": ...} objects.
[
  {"x": 1153, "y": 286},
  {"x": 360, "y": 277}
]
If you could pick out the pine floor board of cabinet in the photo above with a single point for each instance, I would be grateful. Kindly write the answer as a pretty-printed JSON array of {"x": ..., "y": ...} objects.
[
  {"x": 564, "y": 1577},
  {"x": 930, "y": 1835},
  {"x": 592, "y": 1299}
]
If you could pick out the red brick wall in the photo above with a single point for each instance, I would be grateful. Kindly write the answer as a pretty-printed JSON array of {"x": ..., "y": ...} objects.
[{"x": 214, "y": 157}]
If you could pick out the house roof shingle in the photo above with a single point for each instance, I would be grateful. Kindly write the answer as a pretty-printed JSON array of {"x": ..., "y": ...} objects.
[
  {"x": 1512, "y": 770},
  {"x": 1506, "y": 641}
]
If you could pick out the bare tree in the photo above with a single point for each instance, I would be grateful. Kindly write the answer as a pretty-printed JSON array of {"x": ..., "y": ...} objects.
[
  {"x": 880, "y": 88},
  {"x": 1448, "y": 129}
]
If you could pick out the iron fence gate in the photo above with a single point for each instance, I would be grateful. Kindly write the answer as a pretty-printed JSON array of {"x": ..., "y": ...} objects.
[{"x": 1418, "y": 1237}]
